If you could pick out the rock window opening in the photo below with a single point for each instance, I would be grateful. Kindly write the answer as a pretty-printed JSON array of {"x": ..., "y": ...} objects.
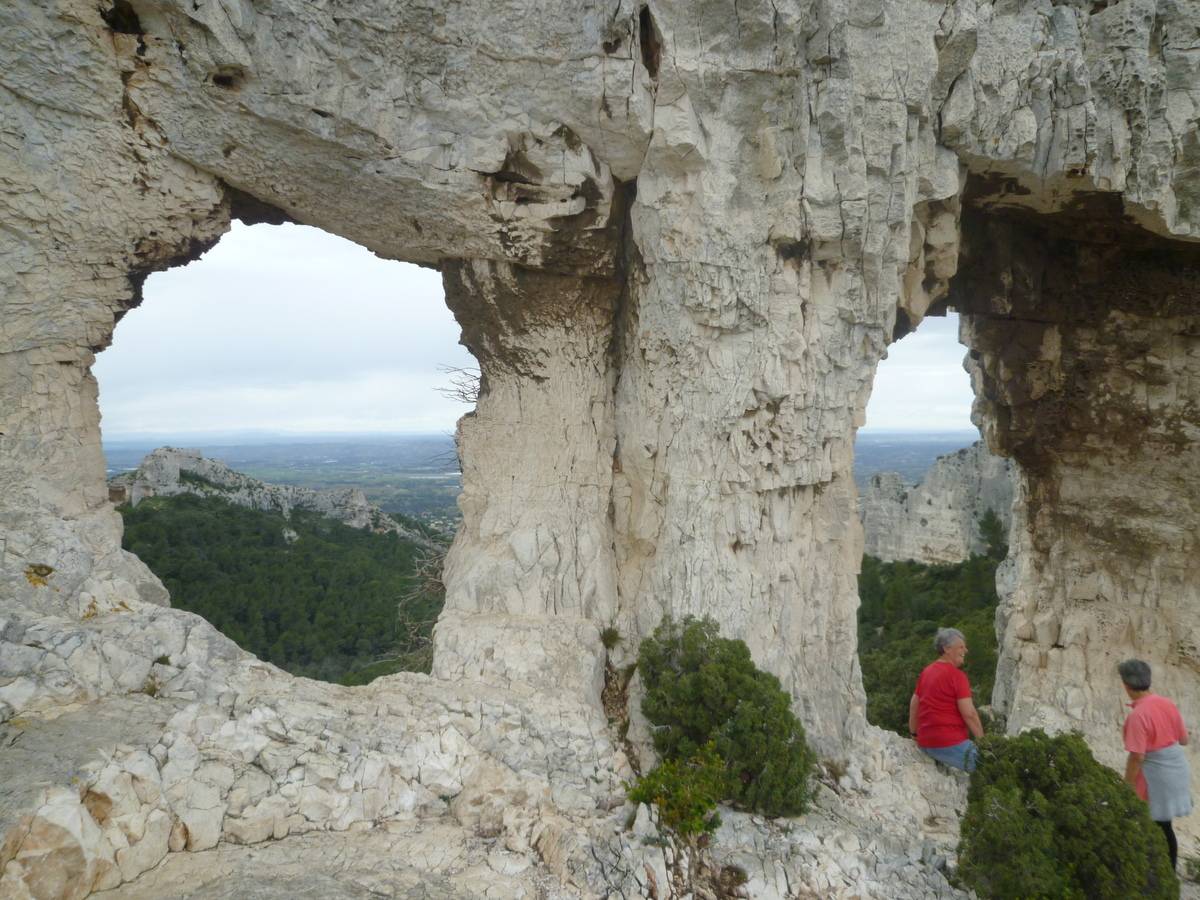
[
  {"x": 278, "y": 423},
  {"x": 935, "y": 507}
]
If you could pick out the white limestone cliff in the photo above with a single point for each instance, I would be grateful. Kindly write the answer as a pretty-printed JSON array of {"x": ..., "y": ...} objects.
[
  {"x": 678, "y": 238},
  {"x": 169, "y": 471},
  {"x": 937, "y": 520}
]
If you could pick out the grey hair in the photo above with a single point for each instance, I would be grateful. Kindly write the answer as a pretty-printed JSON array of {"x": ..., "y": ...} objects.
[
  {"x": 1135, "y": 674},
  {"x": 946, "y": 637}
]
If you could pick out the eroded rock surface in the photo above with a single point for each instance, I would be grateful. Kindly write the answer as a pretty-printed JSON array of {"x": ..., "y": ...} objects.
[
  {"x": 937, "y": 520},
  {"x": 475, "y": 790},
  {"x": 678, "y": 240},
  {"x": 1088, "y": 347},
  {"x": 182, "y": 740}
]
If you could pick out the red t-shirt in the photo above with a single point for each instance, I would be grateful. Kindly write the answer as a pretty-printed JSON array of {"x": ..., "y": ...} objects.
[{"x": 940, "y": 687}]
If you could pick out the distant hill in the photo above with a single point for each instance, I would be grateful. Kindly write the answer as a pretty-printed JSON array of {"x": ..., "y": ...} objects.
[
  {"x": 937, "y": 520},
  {"x": 400, "y": 453},
  {"x": 909, "y": 454},
  {"x": 417, "y": 475},
  {"x": 410, "y": 475},
  {"x": 169, "y": 471}
]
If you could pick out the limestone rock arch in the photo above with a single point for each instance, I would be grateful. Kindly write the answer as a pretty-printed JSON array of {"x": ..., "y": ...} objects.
[{"x": 678, "y": 239}]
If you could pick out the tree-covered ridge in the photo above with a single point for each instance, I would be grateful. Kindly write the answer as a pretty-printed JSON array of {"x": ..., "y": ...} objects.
[
  {"x": 903, "y": 604},
  {"x": 309, "y": 594}
]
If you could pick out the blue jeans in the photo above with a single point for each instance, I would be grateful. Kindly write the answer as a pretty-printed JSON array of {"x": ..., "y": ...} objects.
[{"x": 957, "y": 756}]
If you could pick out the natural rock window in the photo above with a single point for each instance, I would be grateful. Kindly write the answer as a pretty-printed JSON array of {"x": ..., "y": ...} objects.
[
  {"x": 924, "y": 476},
  {"x": 283, "y": 329},
  {"x": 307, "y": 379},
  {"x": 678, "y": 239},
  {"x": 936, "y": 506}
]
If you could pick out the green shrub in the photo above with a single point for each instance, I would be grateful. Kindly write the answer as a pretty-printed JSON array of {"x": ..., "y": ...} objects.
[
  {"x": 991, "y": 529},
  {"x": 686, "y": 791},
  {"x": 1044, "y": 819},
  {"x": 701, "y": 687}
]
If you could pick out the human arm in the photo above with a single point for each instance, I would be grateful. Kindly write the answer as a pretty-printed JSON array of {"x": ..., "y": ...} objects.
[
  {"x": 1136, "y": 745},
  {"x": 970, "y": 715},
  {"x": 1133, "y": 767},
  {"x": 914, "y": 706}
]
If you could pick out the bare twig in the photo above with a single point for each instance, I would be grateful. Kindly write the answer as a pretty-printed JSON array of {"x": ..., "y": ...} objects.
[{"x": 463, "y": 386}]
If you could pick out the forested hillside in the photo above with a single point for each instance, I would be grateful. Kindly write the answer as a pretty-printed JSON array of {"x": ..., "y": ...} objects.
[
  {"x": 321, "y": 599},
  {"x": 903, "y": 604},
  {"x": 309, "y": 594}
]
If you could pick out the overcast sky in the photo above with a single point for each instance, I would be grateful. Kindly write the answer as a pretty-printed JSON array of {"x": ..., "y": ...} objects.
[
  {"x": 283, "y": 329},
  {"x": 922, "y": 385},
  {"x": 289, "y": 329}
]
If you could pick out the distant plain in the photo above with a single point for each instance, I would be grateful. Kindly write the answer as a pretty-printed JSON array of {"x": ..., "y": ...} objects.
[{"x": 417, "y": 475}]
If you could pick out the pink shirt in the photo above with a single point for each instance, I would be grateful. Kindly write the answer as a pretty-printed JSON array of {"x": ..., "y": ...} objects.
[{"x": 1154, "y": 723}]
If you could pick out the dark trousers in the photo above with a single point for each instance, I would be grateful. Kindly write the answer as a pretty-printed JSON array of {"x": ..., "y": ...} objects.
[{"x": 1172, "y": 845}]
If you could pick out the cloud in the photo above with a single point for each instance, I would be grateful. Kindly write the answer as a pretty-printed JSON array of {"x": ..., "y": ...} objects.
[
  {"x": 922, "y": 385},
  {"x": 284, "y": 327},
  {"x": 373, "y": 402}
]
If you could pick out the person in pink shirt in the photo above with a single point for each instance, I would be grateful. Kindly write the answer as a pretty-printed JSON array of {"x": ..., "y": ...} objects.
[{"x": 1157, "y": 766}]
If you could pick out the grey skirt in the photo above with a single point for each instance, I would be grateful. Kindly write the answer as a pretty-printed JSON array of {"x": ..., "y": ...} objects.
[{"x": 1168, "y": 783}]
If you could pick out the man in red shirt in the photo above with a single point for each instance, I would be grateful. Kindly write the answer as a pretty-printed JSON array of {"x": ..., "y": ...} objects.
[{"x": 941, "y": 711}]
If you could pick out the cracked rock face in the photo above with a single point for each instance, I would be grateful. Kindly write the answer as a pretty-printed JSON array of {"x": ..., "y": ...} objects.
[
  {"x": 937, "y": 521},
  {"x": 678, "y": 239},
  {"x": 1088, "y": 345},
  {"x": 142, "y": 733}
]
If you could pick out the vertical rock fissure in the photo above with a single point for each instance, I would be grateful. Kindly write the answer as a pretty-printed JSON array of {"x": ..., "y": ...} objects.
[{"x": 650, "y": 41}]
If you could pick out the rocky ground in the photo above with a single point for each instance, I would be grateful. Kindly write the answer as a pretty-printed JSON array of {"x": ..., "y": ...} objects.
[{"x": 143, "y": 753}]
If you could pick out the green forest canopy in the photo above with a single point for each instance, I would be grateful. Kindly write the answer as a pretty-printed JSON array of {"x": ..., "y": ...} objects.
[
  {"x": 903, "y": 604},
  {"x": 330, "y": 602},
  {"x": 309, "y": 594}
]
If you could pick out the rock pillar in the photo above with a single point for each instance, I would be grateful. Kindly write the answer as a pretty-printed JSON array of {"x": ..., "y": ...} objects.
[
  {"x": 1086, "y": 340},
  {"x": 778, "y": 225},
  {"x": 90, "y": 205},
  {"x": 531, "y": 577}
]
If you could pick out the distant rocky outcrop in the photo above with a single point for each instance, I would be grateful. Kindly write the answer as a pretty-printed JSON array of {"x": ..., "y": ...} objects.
[
  {"x": 169, "y": 471},
  {"x": 937, "y": 521}
]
